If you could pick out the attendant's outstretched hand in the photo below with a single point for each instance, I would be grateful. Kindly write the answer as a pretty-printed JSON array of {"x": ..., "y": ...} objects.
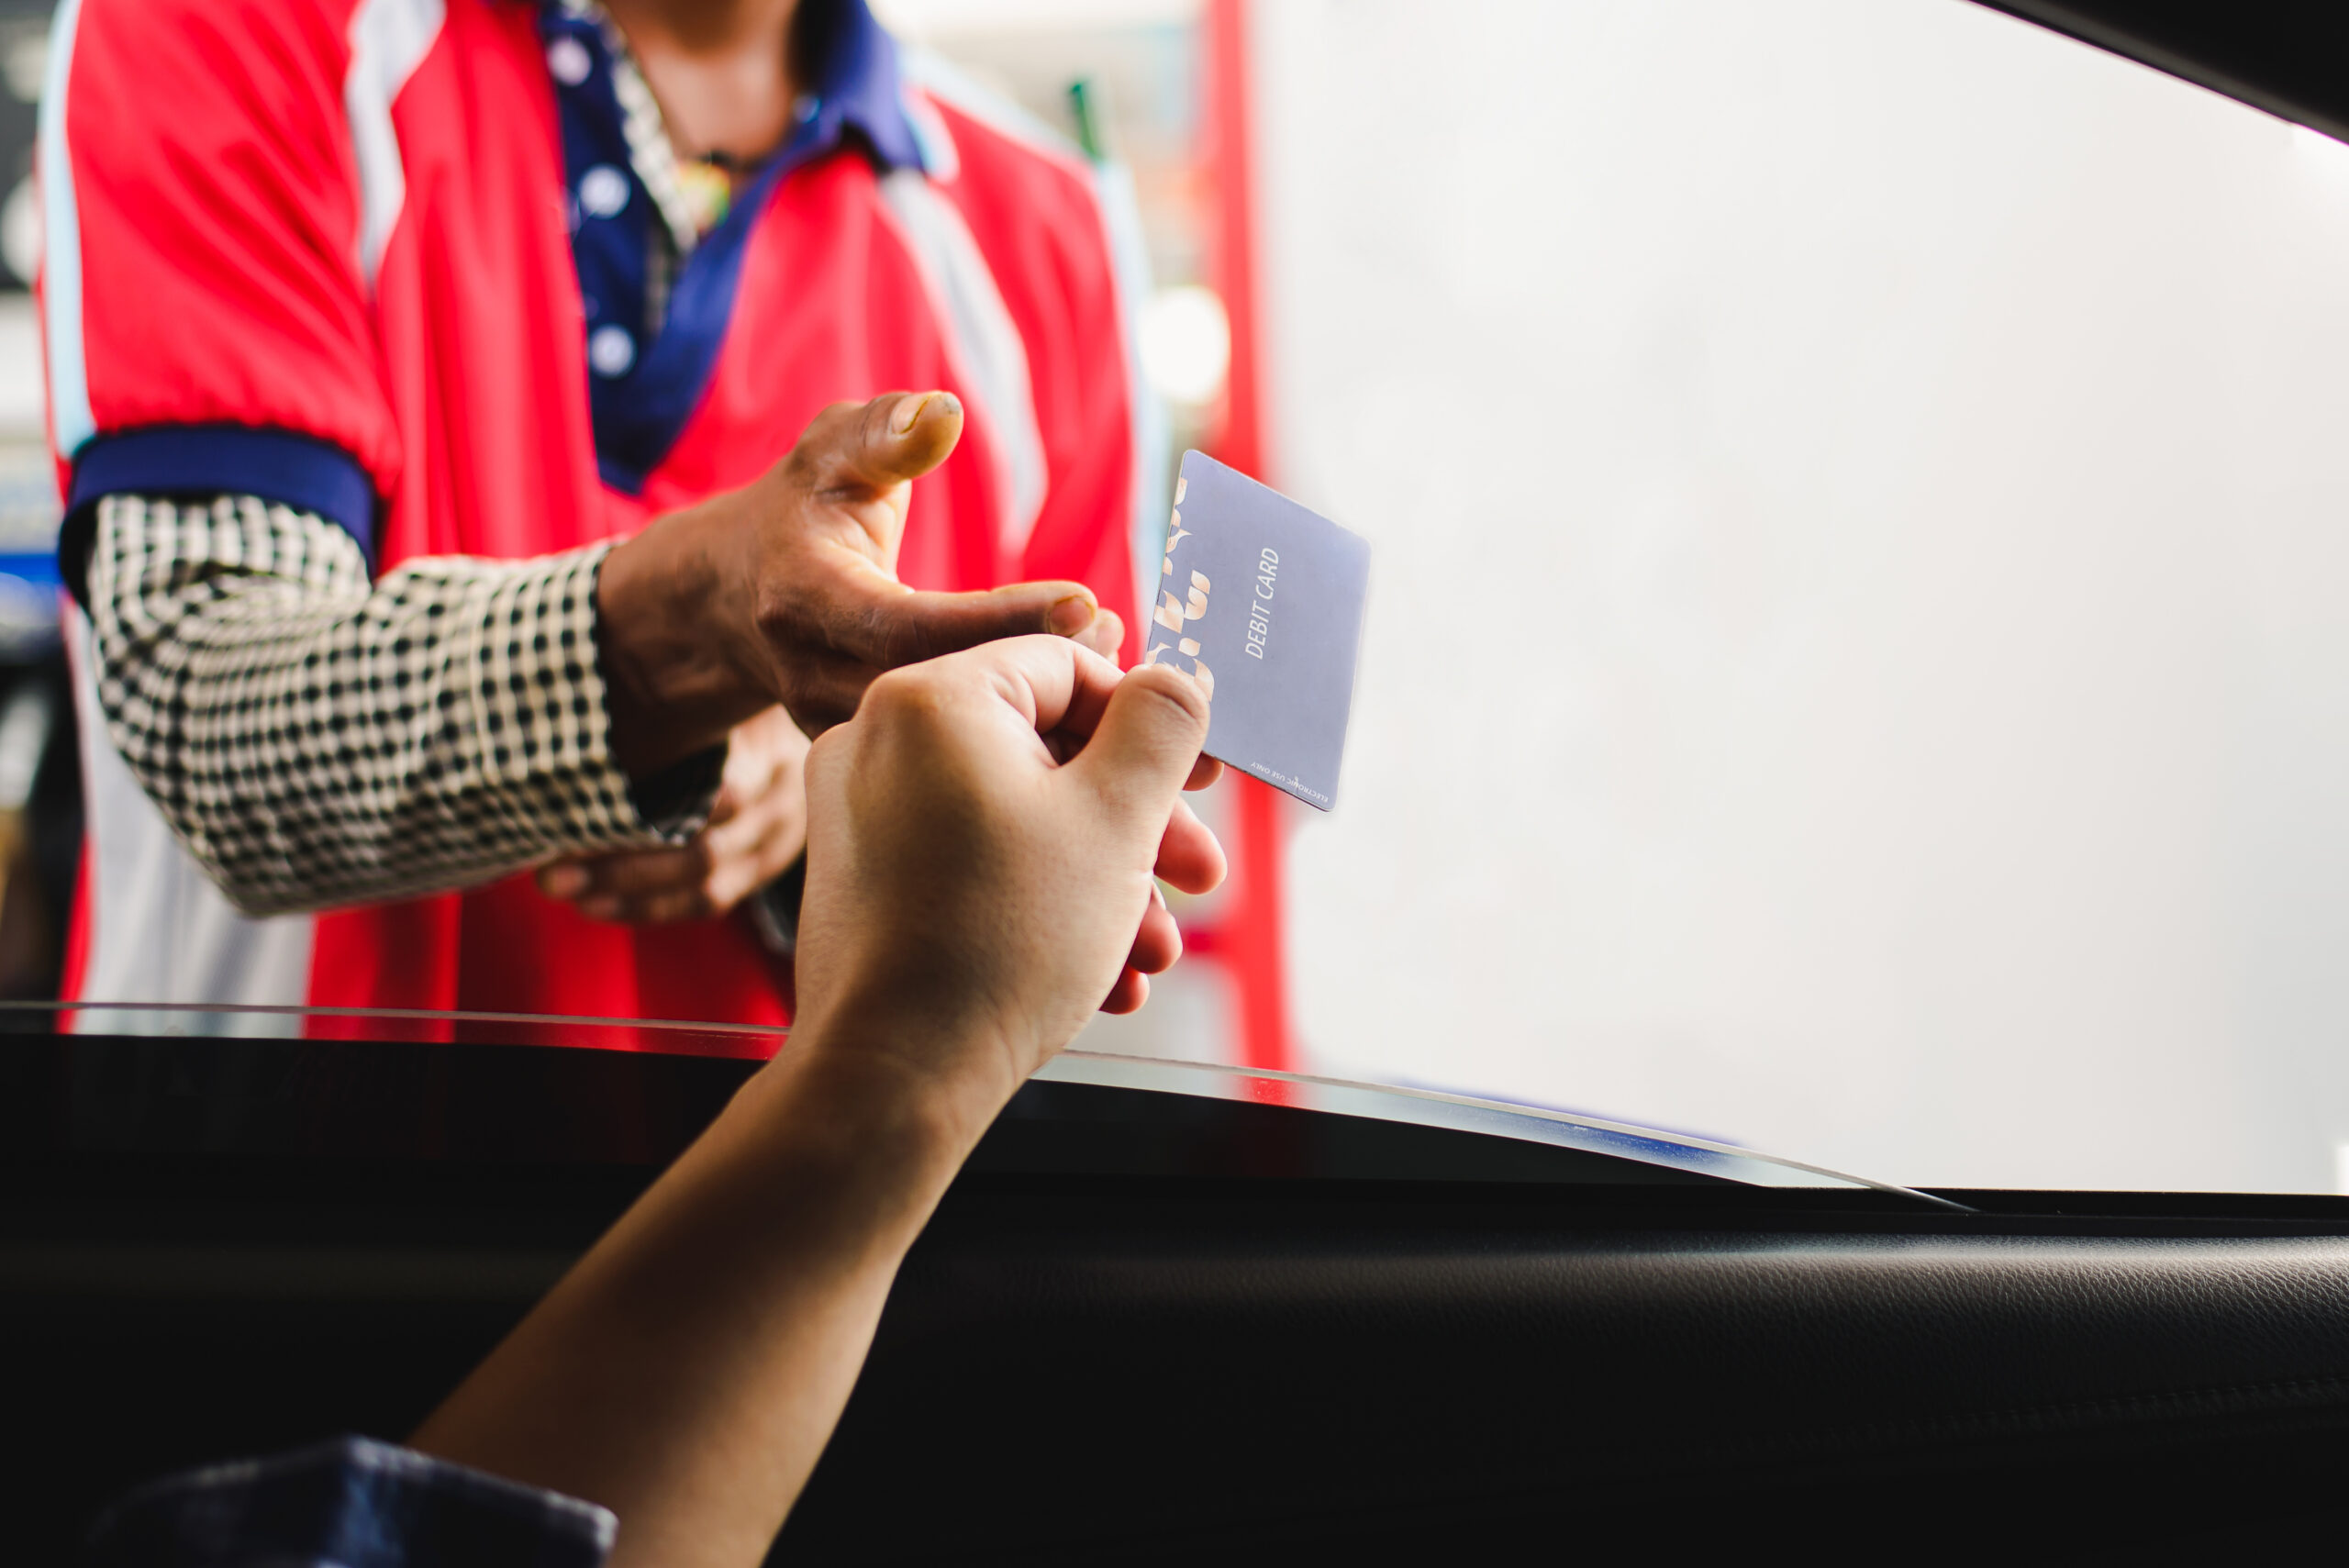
[
  {"x": 982, "y": 841},
  {"x": 785, "y": 590}
]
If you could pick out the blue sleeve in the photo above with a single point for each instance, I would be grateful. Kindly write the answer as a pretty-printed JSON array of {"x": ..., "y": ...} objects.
[
  {"x": 351, "y": 1503},
  {"x": 183, "y": 461}
]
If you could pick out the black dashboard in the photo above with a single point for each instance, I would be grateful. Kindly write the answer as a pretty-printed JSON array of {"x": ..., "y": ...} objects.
[{"x": 1151, "y": 1327}]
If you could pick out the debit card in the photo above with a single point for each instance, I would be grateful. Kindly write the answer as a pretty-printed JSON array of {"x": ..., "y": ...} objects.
[{"x": 1261, "y": 600}]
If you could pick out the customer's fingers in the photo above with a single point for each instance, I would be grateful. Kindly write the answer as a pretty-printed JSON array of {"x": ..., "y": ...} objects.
[
  {"x": 1147, "y": 742},
  {"x": 1128, "y": 994},
  {"x": 827, "y": 686},
  {"x": 1190, "y": 859},
  {"x": 1149, "y": 721},
  {"x": 1158, "y": 943},
  {"x": 1055, "y": 685}
]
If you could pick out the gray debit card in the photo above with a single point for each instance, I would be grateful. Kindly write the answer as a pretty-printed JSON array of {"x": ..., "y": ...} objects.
[{"x": 1261, "y": 600}]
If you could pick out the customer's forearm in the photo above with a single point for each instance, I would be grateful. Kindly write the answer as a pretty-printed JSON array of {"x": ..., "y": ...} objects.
[
  {"x": 315, "y": 738},
  {"x": 688, "y": 1372}
]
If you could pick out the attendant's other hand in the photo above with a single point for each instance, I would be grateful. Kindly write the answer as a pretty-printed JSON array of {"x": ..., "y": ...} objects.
[
  {"x": 756, "y": 828},
  {"x": 785, "y": 590},
  {"x": 984, "y": 836}
]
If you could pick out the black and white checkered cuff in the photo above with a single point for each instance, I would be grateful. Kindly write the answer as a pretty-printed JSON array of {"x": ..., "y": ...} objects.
[{"x": 315, "y": 739}]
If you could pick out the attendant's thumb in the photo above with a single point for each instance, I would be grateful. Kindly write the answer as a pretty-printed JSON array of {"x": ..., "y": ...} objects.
[
  {"x": 905, "y": 435},
  {"x": 1147, "y": 741},
  {"x": 874, "y": 450}
]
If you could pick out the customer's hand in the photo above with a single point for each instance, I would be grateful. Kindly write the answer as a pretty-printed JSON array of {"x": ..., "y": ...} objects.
[
  {"x": 785, "y": 590},
  {"x": 984, "y": 840},
  {"x": 757, "y": 827}
]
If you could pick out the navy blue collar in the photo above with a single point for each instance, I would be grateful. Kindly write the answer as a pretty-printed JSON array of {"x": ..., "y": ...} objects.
[
  {"x": 645, "y": 380},
  {"x": 856, "y": 83}
]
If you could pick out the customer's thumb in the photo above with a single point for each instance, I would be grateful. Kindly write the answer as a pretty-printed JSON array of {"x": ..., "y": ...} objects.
[{"x": 1147, "y": 741}]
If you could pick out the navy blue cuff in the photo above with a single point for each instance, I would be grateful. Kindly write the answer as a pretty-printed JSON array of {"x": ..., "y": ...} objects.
[{"x": 204, "y": 460}]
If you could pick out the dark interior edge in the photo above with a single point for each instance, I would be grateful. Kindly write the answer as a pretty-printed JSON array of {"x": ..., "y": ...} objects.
[{"x": 2283, "y": 58}]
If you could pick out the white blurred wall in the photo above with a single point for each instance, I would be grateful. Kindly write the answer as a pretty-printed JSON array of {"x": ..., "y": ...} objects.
[
  {"x": 947, "y": 22},
  {"x": 1859, "y": 652},
  {"x": 21, "y": 395}
]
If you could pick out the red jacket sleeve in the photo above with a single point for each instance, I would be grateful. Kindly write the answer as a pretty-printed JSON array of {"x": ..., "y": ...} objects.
[
  {"x": 1036, "y": 213},
  {"x": 205, "y": 288}
]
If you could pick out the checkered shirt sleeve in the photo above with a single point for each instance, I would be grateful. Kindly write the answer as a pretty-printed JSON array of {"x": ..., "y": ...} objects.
[
  {"x": 352, "y": 1501},
  {"x": 317, "y": 739}
]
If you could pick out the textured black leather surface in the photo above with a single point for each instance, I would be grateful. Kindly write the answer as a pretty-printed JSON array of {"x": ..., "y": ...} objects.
[
  {"x": 1103, "y": 1375},
  {"x": 1160, "y": 1329},
  {"x": 1339, "y": 1363}
]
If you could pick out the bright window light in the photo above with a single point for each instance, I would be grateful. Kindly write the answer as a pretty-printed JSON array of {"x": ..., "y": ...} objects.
[
  {"x": 1185, "y": 343},
  {"x": 20, "y": 229}
]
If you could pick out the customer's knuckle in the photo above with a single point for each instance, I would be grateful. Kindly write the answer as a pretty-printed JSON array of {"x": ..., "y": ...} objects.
[{"x": 1172, "y": 687}]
